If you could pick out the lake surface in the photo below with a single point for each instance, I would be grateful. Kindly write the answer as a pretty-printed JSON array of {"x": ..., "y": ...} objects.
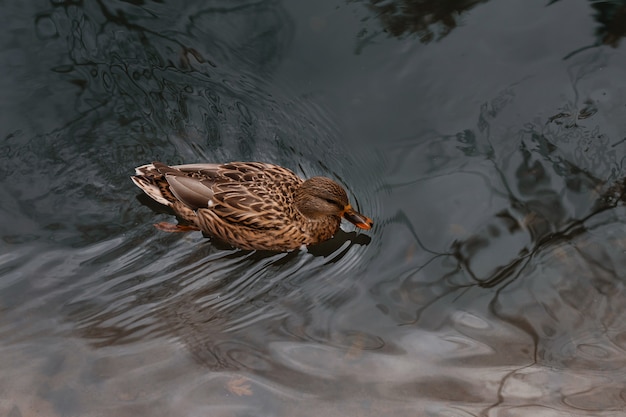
[{"x": 485, "y": 139}]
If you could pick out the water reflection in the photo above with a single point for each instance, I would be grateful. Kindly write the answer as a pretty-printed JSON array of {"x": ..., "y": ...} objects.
[
  {"x": 428, "y": 20},
  {"x": 544, "y": 266},
  {"x": 611, "y": 15},
  {"x": 536, "y": 214},
  {"x": 432, "y": 21}
]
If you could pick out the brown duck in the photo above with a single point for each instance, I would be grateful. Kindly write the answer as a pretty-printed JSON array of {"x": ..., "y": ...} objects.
[{"x": 250, "y": 205}]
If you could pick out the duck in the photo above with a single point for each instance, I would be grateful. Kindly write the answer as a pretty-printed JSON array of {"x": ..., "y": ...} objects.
[{"x": 249, "y": 205}]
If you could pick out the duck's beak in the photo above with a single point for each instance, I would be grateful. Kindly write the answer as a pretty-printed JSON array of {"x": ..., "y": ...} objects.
[{"x": 357, "y": 218}]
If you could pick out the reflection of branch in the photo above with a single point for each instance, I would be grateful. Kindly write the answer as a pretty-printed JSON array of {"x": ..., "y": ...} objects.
[
  {"x": 609, "y": 199},
  {"x": 121, "y": 20},
  {"x": 464, "y": 251}
]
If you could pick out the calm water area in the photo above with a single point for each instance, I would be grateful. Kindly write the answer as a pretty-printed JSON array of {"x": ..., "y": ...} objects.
[{"x": 486, "y": 139}]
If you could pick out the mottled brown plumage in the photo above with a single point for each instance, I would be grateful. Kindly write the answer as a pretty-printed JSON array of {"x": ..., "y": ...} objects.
[{"x": 251, "y": 205}]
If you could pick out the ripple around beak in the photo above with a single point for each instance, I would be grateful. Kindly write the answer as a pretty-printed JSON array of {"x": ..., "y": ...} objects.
[{"x": 357, "y": 218}]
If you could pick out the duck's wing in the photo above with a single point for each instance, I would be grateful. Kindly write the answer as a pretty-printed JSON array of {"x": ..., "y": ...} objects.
[
  {"x": 192, "y": 192},
  {"x": 250, "y": 194}
]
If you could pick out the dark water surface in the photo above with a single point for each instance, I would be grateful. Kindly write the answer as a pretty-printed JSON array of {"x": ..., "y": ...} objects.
[{"x": 486, "y": 140}]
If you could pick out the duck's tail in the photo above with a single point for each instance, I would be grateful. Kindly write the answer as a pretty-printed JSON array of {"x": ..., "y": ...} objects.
[{"x": 152, "y": 182}]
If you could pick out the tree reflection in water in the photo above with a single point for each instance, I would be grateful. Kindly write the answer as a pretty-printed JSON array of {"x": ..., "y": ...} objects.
[{"x": 433, "y": 20}]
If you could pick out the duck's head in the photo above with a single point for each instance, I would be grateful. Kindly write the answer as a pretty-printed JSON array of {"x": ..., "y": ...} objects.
[{"x": 321, "y": 196}]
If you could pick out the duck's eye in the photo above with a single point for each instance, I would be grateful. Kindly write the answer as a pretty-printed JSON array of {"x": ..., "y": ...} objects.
[{"x": 329, "y": 201}]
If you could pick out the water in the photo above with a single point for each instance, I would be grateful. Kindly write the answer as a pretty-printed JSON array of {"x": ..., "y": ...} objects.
[{"x": 483, "y": 138}]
